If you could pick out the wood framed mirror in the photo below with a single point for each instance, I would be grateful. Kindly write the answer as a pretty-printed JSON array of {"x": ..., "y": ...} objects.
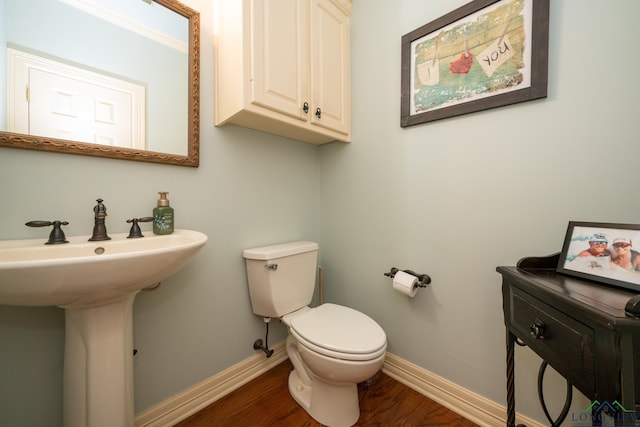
[{"x": 168, "y": 121}]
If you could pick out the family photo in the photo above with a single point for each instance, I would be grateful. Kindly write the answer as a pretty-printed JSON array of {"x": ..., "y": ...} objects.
[{"x": 605, "y": 251}]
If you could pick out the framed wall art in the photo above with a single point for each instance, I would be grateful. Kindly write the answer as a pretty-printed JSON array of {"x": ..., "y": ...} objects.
[
  {"x": 604, "y": 252},
  {"x": 485, "y": 54}
]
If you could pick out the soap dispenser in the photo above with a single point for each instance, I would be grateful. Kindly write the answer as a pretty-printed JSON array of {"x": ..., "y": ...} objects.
[{"x": 163, "y": 215}]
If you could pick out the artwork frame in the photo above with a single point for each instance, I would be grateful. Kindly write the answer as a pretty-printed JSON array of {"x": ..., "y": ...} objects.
[
  {"x": 581, "y": 254},
  {"x": 467, "y": 84}
]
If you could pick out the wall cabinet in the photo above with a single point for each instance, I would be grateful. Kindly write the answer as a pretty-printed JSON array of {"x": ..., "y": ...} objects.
[{"x": 283, "y": 67}]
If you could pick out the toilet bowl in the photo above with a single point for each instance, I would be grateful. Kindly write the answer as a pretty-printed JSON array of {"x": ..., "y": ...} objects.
[{"x": 332, "y": 347}]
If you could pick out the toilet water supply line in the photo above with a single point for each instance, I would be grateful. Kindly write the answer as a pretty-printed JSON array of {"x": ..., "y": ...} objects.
[
  {"x": 257, "y": 345},
  {"x": 320, "y": 284}
]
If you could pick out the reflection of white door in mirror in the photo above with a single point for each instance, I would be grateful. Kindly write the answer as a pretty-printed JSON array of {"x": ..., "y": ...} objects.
[
  {"x": 154, "y": 44},
  {"x": 48, "y": 98}
]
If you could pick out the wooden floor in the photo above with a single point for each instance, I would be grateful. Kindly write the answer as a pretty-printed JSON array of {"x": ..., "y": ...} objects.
[{"x": 265, "y": 402}]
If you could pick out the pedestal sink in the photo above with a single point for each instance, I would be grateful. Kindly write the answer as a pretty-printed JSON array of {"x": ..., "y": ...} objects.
[{"x": 96, "y": 283}]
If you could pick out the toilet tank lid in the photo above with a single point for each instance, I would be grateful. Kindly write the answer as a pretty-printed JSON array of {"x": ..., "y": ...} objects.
[{"x": 281, "y": 250}]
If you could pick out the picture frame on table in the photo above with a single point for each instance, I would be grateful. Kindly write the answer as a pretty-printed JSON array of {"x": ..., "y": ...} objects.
[{"x": 602, "y": 252}]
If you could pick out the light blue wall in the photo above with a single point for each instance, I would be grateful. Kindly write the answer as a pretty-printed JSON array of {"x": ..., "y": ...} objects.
[
  {"x": 251, "y": 189},
  {"x": 458, "y": 197},
  {"x": 453, "y": 198}
]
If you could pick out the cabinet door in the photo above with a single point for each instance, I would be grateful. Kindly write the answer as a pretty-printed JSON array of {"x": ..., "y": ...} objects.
[
  {"x": 330, "y": 66},
  {"x": 280, "y": 60}
]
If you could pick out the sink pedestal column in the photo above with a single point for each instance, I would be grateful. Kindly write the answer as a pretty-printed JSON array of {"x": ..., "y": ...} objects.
[{"x": 98, "y": 365}]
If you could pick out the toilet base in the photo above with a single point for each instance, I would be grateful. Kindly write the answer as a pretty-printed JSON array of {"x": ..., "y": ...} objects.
[{"x": 334, "y": 405}]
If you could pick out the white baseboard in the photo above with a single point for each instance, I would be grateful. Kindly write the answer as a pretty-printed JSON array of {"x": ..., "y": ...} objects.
[
  {"x": 201, "y": 395},
  {"x": 472, "y": 406}
]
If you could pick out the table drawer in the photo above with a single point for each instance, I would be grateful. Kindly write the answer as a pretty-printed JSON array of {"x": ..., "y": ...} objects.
[{"x": 566, "y": 344}]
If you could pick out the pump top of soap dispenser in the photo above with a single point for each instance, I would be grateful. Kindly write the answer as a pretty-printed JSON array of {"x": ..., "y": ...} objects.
[{"x": 163, "y": 201}]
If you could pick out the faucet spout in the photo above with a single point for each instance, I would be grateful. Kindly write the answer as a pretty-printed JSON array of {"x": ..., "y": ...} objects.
[{"x": 99, "y": 227}]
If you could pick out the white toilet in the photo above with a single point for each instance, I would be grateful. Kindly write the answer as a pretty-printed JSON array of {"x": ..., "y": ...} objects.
[{"x": 332, "y": 348}]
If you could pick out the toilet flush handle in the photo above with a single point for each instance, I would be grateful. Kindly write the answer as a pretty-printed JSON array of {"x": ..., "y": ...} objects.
[{"x": 271, "y": 266}]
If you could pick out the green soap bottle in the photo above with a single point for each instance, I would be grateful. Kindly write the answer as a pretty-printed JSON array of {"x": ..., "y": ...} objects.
[{"x": 163, "y": 215}]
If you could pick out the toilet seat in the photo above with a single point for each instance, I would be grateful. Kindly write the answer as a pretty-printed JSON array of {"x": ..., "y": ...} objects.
[{"x": 339, "y": 332}]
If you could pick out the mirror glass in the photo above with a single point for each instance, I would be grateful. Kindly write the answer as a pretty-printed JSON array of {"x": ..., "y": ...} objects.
[{"x": 108, "y": 78}]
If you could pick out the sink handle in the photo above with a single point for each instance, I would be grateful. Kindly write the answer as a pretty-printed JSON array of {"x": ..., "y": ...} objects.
[
  {"x": 39, "y": 223},
  {"x": 57, "y": 235},
  {"x": 135, "y": 228}
]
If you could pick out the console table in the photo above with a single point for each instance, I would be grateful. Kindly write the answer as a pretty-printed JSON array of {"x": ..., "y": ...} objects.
[{"x": 588, "y": 332}]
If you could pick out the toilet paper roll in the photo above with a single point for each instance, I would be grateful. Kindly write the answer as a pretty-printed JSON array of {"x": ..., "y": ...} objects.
[{"x": 405, "y": 283}]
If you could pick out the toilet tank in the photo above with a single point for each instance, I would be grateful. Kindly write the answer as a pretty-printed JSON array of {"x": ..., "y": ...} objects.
[{"x": 281, "y": 277}]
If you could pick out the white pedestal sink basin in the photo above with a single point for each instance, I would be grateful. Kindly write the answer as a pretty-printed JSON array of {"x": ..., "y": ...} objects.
[{"x": 96, "y": 283}]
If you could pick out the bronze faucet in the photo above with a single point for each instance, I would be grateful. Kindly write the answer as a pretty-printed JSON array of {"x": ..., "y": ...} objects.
[
  {"x": 135, "y": 228},
  {"x": 99, "y": 227},
  {"x": 57, "y": 235}
]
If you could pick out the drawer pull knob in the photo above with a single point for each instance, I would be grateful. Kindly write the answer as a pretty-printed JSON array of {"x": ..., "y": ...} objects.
[{"x": 537, "y": 329}]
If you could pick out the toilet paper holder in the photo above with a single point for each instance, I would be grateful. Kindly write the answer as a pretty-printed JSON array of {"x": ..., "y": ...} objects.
[{"x": 423, "y": 279}]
